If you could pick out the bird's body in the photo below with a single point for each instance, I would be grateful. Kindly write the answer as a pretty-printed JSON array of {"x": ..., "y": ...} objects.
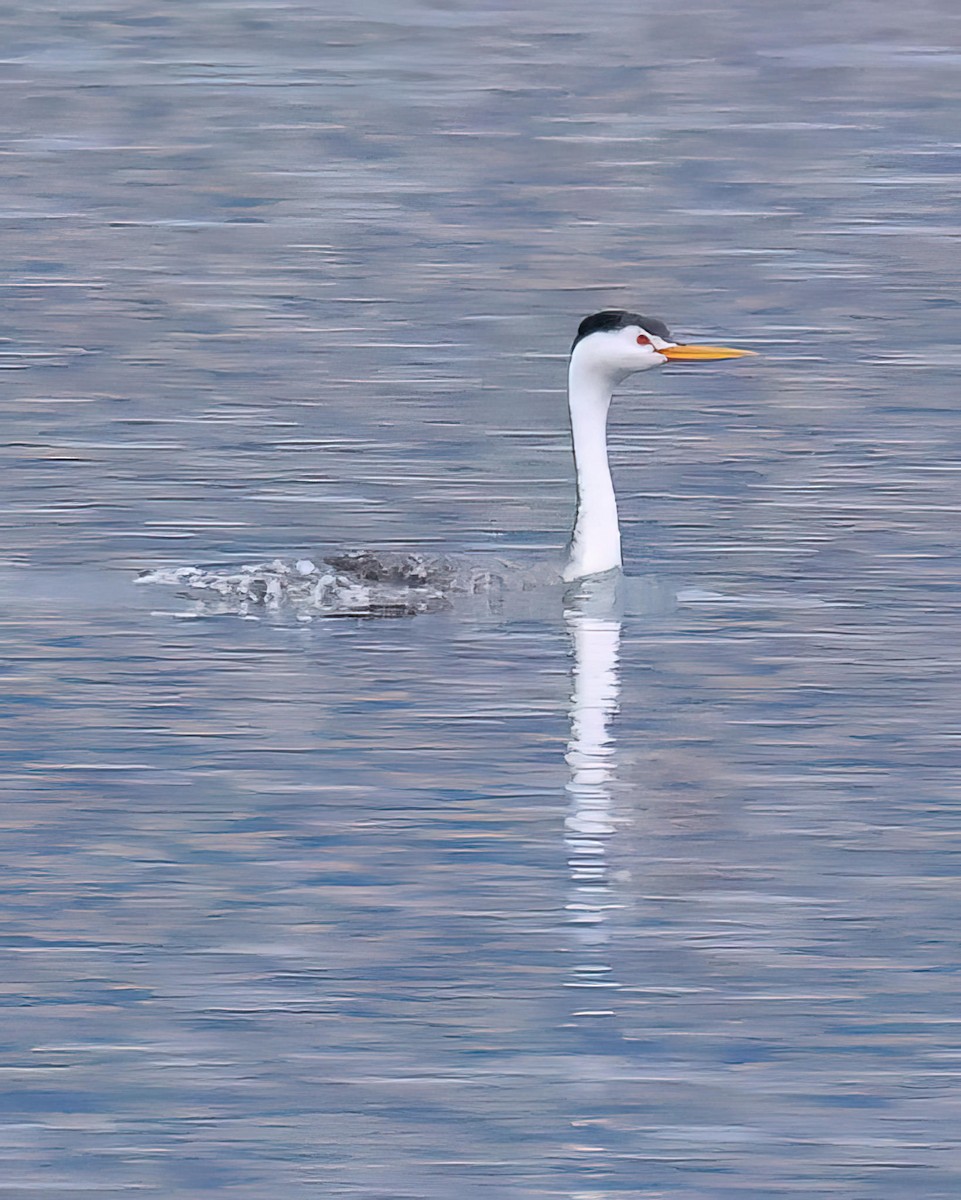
[{"x": 609, "y": 346}]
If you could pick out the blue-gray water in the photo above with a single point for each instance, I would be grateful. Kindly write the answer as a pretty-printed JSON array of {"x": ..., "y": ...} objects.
[{"x": 304, "y": 910}]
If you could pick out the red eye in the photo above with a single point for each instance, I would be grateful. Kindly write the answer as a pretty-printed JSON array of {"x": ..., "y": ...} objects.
[{"x": 643, "y": 339}]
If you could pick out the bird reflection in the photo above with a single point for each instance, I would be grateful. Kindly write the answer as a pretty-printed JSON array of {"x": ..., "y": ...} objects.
[{"x": 593, "y": 615}]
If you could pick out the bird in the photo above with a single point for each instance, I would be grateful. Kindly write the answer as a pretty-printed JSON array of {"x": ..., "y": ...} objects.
[{"x": 609, "y": 346}]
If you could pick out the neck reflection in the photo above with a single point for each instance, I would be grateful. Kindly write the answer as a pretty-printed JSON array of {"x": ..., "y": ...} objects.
[{"x": 592, "y": 613}]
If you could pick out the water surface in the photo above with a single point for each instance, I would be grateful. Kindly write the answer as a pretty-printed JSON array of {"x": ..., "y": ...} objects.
[{"x": 651, "y": 899}]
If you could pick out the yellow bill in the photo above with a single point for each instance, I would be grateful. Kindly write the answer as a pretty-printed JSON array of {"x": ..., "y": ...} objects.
[{"x": 702, "y": 353}]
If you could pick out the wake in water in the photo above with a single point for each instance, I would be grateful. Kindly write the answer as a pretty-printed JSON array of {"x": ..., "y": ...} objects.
[{"x": 358, "y": 584}]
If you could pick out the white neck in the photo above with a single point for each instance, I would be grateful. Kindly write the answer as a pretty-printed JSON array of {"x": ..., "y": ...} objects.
[{"x": 596, "y": 541}]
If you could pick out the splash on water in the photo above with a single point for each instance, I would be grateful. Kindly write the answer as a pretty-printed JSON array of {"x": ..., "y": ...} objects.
[{"x": 356, "y": 584}]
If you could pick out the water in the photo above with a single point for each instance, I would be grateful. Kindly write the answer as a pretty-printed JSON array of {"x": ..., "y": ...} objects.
[{"x": 632, "y": 896}]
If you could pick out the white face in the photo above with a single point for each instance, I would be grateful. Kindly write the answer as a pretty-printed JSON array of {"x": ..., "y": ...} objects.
[{"x": 617, "y": 353}]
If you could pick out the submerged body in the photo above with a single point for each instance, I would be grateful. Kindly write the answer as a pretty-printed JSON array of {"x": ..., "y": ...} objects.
[
  {"x": 362, "y": 583},
  {"x": 609, "y": 346}
]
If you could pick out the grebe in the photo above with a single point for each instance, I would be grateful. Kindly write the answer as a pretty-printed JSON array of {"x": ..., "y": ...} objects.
[{"x": 609, "y": 346}]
